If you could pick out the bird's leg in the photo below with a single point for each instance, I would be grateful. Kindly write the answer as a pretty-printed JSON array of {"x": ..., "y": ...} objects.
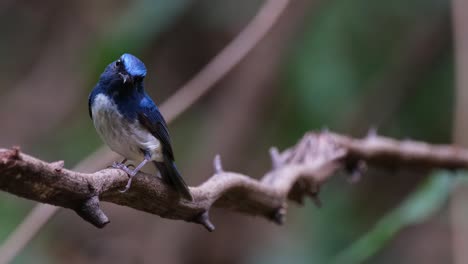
[{"x": 132, "y": 173}]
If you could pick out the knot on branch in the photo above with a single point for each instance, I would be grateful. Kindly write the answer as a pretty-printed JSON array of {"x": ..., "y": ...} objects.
[
  {"x": 315, "y": 157},
  {"x": 90, "y": 211},
  {"x": 57, "y": 165},
  {"x": 204, "y": 220},
  {"x": 314, "y": 150},
  {"x": 10, "y": 155}
]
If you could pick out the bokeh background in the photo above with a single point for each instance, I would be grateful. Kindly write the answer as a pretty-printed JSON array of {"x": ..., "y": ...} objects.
[{"x": 342, "y": 65}]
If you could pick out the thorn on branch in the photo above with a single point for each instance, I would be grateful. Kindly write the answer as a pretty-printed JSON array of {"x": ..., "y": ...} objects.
[
  {"x": 218, "y": 166},
  {"x": 90, "y": 211},
  {"x": 204, "y": 220},
  {"x": 372, "y": 133},
  {"x": 279, "y": 215},
  {"x": 275, "y": 158},
  {"x": 57, "y": 165},
  {"x": 15, "y": 153}
]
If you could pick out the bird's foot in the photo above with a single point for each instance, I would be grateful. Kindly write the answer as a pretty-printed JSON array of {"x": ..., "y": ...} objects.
[
  {"x": 131, "y": 174},
  {"x": 125, "y": 168}
]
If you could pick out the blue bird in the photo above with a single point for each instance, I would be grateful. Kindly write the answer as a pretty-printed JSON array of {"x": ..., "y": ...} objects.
[{"x": 130, "y": 123}]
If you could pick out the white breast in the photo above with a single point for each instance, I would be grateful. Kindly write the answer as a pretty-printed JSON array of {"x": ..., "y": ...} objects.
[{"x": 123, "y": 137}]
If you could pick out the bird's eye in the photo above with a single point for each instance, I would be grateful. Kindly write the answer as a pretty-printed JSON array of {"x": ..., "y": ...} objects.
[{"x": 118, "y": 63}]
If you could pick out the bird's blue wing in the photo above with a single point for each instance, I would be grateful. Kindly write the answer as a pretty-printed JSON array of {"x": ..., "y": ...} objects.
[{"x": 150, "y": 117}]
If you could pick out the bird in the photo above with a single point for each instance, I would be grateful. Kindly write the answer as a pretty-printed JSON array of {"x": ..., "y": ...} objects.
[{"x": 130, "y": 123}]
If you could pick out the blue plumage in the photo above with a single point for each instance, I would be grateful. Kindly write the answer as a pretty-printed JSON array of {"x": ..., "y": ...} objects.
[
  {"x": 129, "y": 121},
  {"x": 133, "y": 65}
]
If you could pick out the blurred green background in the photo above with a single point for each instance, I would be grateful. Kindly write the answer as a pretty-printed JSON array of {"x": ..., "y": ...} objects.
[{"x": 343, "y": 65}]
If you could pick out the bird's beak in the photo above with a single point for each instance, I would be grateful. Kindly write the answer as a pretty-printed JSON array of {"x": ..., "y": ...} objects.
[{"x": 125, "y": 77}]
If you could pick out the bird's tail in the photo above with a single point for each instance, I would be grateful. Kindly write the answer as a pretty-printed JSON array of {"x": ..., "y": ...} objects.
[{"x": 170, "y": 173}]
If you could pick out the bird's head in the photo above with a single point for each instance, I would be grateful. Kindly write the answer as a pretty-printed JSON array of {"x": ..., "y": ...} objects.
[
  {"x": 130, "y": 68},
  {"x": 127, "y": 70}
]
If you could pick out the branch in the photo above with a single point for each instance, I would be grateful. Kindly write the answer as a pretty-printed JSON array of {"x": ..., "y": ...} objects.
[
  {"x": 226, "y": 60},
  {"x": 296, "y": 172}
]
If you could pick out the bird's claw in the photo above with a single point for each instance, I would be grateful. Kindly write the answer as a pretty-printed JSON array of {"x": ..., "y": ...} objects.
[
  {"x": 123, "y": 167},
  {"x": 130, "y": 173},
  {"x": 118, "y": 165},
  {"x": 129, "y": 183}
]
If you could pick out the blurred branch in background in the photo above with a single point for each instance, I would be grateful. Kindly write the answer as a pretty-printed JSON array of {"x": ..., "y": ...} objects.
[
  {"x": 458, "y": 208},
  {"x": 226, "y": 60}
]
